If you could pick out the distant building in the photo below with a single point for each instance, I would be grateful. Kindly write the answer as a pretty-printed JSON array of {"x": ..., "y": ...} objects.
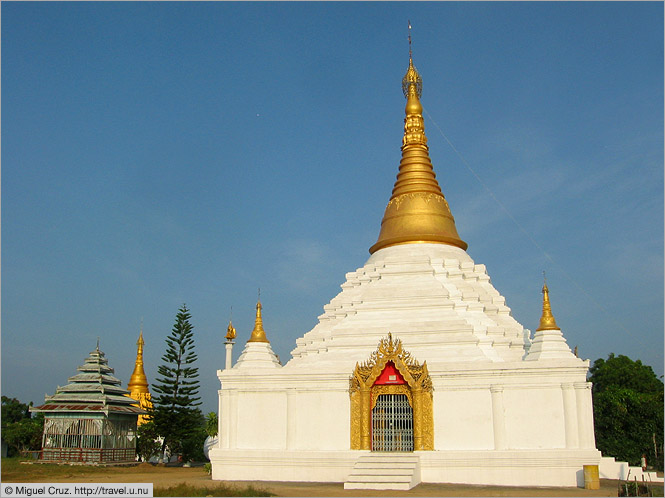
[
  {"x": 138, "y": 383},
  {"x": 91, "y": 420}
]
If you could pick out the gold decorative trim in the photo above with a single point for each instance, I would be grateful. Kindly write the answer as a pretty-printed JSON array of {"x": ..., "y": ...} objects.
[
  {"x": 425, "y": 196},
  {"x": 390, "y": 389},
  {"x": 363, "y": 394},
  {"x": 143, "y": 401},
  {"x": 355, "y": 421}
]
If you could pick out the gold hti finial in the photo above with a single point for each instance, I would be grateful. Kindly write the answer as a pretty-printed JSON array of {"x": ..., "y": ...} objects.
[
  {"x": 417, "y": 210},
  {"x": 258, "y": 334},
  {"x": 230, "y": 330},
  {"x": 409, "y": 39},
  {"x": 547, "y": 321},
  {"x": 138, "y": 382},
  {"x": 412, "y": 77}
]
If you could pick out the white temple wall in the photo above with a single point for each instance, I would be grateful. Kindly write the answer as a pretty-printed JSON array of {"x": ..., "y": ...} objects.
[
  {"x": 548, "y": 467},
  {"x": 584, "y": 412},
  {"x": 463, "y": 419},
  {"x": 322, "y": 420},
  {"x": 297, "y": 411},
  {"x": 534, "y": 417},
  {"x": 506, "y": 423},
  {"x": 474, "y": 409},
  {"x": 261, "y": 420}
]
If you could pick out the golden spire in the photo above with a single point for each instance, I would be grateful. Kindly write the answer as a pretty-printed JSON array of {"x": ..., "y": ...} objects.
[
  {"x": 258, "y": 334},
  {"x": 547, "y": 321},
  {"x": 138, "y": 382},
  {"x": 417, "y": 210}
]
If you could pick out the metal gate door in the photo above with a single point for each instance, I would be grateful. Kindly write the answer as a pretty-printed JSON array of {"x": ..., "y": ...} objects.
[{"x": 392, "y": 423}]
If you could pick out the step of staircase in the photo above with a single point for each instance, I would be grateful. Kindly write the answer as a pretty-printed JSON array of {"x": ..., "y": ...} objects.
[
  {"x": 637, "y": 474},
  {"x": 399, "y": 471},
  {"x": 609, "y": 468}
]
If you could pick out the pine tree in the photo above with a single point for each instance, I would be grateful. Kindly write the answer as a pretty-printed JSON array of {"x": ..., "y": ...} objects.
[{"x": 175, "y": 413}]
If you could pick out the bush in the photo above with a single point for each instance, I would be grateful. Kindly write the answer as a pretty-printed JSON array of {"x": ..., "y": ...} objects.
[{"x": 147, "y": 442}]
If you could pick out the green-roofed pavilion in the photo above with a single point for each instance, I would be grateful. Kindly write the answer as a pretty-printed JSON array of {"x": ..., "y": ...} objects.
[{"x": 91, "y": 419}]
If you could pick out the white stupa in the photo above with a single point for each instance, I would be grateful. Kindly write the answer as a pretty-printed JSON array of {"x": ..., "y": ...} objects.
[{"x": 415, "y": 372}]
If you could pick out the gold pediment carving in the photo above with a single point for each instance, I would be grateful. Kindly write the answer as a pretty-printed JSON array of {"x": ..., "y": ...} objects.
[
  {"x": 391, "y": 389},
  {"x": 389, "y": 349},
  {"x": 363, "y": 393}
]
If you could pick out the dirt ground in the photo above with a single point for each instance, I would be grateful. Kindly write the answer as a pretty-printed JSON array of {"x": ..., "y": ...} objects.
[{"x": 196, "y": 476}]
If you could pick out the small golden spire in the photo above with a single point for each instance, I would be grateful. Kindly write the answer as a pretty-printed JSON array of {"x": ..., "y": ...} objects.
[
  {"x": 547, "y": 321},
  {"x": 417, "y": 210},
  {"x": 138, "y": 382},
  {"x": 258, "y": 334}
]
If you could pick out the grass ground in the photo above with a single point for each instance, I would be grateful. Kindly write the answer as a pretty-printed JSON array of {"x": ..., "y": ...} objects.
[
  {"x": 195, "y": 481},
  {"x": 167, "y": 481}
]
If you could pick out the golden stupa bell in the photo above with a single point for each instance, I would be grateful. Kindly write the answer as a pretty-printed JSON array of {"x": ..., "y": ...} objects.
[
  {"x": 417, "y": 210},
  {"x": 547, "y": 321},
  {"x": 258, "y": 334},
  {"x": 138, "y": 382}
]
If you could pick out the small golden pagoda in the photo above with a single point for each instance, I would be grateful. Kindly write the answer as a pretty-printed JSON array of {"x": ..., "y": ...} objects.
[
  {"x": 258, "y": 334},
  {"x": 138, "y": 383},
  {"x": 547, "y": 321}
]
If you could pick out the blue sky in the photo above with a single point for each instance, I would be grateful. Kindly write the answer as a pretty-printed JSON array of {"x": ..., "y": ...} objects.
[{"x": 155, "y": 154}]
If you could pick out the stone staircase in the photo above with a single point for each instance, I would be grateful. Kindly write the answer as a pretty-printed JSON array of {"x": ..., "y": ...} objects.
[
  {"x": 636, "y": 474},
  {"x": 399, "y": 471},
  {"x": 609, "y": 468}
]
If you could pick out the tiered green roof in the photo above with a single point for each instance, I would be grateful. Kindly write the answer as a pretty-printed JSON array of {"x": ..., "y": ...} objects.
[{"x": 93, "y": 389}]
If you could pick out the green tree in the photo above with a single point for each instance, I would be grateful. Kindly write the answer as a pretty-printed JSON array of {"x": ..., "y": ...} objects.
[
  {"x": 20, "y": 430},
  {"x": 147, "y": 443},
  {"x": 175, "y": 413},
  {"x": 13, "y": 410},
  {"x": 628, "y": 410},
  {"x": 621, "y": 371},
  {"x": 211, "y": 424},
  {"x": 192, "y": 446}
]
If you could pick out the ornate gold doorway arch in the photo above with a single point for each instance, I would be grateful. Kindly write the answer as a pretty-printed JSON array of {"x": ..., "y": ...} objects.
[{"x": 364, "y": 392}]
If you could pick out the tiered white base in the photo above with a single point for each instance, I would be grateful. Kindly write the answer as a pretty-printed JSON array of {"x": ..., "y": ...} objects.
[
  {"x": 502, "y": 414},
  {"x": 501, "y": 468}
]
